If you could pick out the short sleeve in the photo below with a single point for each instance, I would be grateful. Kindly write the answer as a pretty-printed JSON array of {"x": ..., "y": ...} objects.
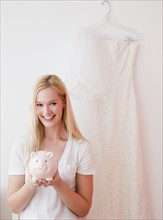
[
  {"x": 86, "y": 161},
  {"x": 17, "y": 159}
]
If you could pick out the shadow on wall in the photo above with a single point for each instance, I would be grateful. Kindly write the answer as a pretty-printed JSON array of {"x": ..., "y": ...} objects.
[{"x": 4, "y": 210}]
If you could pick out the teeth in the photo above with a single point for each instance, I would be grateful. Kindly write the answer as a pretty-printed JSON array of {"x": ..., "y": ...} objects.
[{"x": 48, "y": 117}]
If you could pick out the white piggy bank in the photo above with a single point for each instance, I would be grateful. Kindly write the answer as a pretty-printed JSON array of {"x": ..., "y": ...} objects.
[{"x": 42, "y": 165}]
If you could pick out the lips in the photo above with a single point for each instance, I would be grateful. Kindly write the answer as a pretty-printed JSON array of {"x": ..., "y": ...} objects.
[{"x": 48, "y": 117}]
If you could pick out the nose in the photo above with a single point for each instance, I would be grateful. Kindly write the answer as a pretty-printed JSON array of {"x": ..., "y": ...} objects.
[{"x": 47, "y": 110}]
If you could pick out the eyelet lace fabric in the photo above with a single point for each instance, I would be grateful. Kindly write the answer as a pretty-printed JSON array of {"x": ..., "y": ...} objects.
[{"x": 103, "y": 88}]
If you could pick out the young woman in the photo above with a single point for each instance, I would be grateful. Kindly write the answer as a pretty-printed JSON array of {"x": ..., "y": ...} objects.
[{"x": 52, "y": 128}]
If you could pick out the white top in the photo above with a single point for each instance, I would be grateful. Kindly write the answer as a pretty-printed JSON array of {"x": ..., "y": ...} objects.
[{"x": 46, "y": 204}]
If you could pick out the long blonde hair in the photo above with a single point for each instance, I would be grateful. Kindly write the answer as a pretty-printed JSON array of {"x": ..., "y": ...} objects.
[{"x": 36, "y": 128}]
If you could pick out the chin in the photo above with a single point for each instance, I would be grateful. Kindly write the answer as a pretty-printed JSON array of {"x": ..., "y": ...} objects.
[{"x": 48, "y": 125}]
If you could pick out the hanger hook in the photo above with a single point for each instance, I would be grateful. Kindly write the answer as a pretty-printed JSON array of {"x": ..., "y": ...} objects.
[{"x": 109, "y": 6}]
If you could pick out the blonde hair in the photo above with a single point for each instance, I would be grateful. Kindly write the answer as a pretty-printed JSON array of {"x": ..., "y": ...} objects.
[{"x": 36, "y": 128}]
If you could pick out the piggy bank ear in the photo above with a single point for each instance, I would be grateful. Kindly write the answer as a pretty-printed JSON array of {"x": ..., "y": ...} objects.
[
  {"x": 49, "y": 154},
  {"x": 32, "y": 154}
]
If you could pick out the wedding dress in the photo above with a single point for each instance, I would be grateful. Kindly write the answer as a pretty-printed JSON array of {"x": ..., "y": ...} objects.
[{"x": 100, "y": 82}]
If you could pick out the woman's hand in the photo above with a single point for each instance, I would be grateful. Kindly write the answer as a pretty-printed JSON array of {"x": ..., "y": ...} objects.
[
  {"x": 46, "y": 183},
  {"x": 34, "y": 184}
]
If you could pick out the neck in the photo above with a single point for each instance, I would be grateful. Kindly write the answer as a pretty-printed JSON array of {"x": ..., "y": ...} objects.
[{"x": 56, "y": 133}]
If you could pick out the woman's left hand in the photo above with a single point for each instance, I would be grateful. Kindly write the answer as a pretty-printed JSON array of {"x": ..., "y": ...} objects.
[{"x": 47, "y": 183}]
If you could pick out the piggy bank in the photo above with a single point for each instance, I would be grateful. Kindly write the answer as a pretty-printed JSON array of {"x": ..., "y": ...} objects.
[{"x": 42, "y": 165}]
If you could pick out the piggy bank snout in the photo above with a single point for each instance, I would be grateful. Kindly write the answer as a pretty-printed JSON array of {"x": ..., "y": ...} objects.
[{"x": 40, "y": 165}]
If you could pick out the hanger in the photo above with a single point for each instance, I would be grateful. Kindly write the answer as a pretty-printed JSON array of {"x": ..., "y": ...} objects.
[
  {"x": 110, "y": 20},
  {"x": 102, "y": 29},
  {"x": 109, "y": 12}
]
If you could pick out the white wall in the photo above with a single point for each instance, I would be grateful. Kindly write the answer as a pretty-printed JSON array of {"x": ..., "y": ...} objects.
[{"x": 32, "y": 35}]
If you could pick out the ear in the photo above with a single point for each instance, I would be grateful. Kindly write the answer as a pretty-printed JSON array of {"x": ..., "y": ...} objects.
[
  {"x": 64, "y": 103},
  {"x": 32, "y": 154},
  {"x": 49, "y": 154}
]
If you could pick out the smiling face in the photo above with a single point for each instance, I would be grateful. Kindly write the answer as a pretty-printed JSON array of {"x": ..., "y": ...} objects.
[{"x": 49, "y": 107}]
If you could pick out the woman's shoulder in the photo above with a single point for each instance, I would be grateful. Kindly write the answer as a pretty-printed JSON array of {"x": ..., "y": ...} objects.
[
  {"x": 81, "y": 144},
  {"x": 20, "y": 141},
  {"x": 18, "y": 157},
  {"x": 82, "y": 150},
  {"x": 19, "y": 144}
]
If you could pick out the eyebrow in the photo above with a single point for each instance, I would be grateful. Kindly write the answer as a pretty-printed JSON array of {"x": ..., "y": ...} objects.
[{"x": 54, "y": 100}]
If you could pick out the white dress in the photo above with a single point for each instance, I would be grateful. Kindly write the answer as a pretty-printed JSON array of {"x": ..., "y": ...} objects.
[
  {"x": 100, "y": 82},
  {"x": 46, "y": 204}
]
